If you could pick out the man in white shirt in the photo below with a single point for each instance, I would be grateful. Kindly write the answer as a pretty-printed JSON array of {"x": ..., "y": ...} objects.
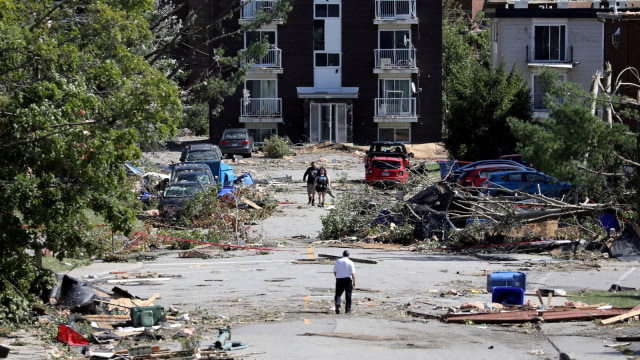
[{"x": 344, "y": 271}]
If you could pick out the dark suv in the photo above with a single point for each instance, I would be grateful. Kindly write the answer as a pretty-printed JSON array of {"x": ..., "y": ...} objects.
[
  {"x": 236, "y": 142},
  {"x": 200, "y": 152}
]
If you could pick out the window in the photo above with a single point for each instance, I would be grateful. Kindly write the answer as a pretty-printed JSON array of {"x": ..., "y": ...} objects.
[
  {"x": 260, "y": 37},
  {"x": 260, "y": 89},
  {"x": 327, "y": 10},
  {"x": 260, "y": 135},
  {"x": 327, "y": 59},
  {"x": 398, "y": 39},
  {"x": 550, "y": 43},
  {"x": 318, "y": 35},
  {"x": 539, "y": 94},
  {"x": 398, "y": 134}
]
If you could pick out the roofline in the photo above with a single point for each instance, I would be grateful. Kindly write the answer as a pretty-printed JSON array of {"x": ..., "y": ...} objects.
[{"x": 543, "y": 13}]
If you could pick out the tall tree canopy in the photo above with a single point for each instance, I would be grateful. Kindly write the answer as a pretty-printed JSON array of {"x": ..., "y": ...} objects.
[
  {"x": 477, "y": 99},
  {"x": 477, "y": 125},
  {"x": 76, "y": 99}
]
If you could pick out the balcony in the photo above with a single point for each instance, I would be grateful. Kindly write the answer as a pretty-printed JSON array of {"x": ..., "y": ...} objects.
[
  {"x": 252, "y": 8},
  {"x": 396, "y": 11},
  {"x": 559, "y": 58},
  {"x": 395, "y": 110},
  {"x": 271, "y": 62},
  {"x": 261, "y": 110},
  {"x": 395, "y": 60}
]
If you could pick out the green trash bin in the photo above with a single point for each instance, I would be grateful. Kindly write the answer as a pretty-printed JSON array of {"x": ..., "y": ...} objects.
[{"x": 146, "y": 315}]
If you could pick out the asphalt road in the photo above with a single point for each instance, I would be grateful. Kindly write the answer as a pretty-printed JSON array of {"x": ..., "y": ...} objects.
[
  {"x": 283, "y": 309},
  {"x": 288, "y": 310}
]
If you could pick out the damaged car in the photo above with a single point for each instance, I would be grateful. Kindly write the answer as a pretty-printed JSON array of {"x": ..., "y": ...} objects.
[
  {"x": 175, "y": 197},
  {"x": 384, "y": 171}
]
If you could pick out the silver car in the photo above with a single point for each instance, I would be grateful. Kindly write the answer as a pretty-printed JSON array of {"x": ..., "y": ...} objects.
[{"x": 236, "y": 142}]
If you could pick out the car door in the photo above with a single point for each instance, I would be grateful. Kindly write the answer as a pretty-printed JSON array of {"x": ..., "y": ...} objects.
[{"x": 537, "y": 184}]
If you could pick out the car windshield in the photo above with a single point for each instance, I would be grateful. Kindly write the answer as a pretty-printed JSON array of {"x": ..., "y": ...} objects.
[
  {"x": 177, "y": 191},
  {"x": 202, "y": 155},
  {"x": 202, "y": 178},
  {"x": 235, "y": 135},
  {"x": 386, "y": 164}
]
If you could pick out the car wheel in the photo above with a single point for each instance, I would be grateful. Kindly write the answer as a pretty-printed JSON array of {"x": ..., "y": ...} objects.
[{"x": 247, "y": 155}]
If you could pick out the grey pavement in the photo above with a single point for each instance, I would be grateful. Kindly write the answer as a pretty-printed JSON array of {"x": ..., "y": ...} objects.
[{"x": 299, "y": 297}]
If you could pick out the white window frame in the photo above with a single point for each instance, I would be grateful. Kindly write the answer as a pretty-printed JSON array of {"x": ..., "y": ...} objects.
[
  {"x": 550, "y": 23},
  {"x": 561, "y": 77}
]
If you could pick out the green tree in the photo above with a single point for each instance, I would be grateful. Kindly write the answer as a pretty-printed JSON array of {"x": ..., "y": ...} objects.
[
  {"x": 465, "y": 43},
  {"x": 573, "y": 144},
  {"x": 476, "y": 126},
  {"x": 476, "y": 98},
  {"x": 76, "y": 99}
]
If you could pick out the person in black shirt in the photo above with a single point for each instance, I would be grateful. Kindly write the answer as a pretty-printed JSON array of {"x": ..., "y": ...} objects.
[
  {"x": 310, "y": 177},
  {"x": 322, "y": 184}
]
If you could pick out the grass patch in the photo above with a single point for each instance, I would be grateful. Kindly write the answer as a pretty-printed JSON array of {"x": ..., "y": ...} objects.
[
  {"x": 623, "y": 299},
  {"x": 65, "y": 265}
]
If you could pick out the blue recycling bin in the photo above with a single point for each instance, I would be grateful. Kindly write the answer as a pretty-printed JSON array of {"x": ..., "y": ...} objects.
[
  {"x": 507, "y": 278},
  {"x": 508, "y": 295}
]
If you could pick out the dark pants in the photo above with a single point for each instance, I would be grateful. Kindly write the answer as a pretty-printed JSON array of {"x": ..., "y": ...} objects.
[{"x": 344, "y": 285}]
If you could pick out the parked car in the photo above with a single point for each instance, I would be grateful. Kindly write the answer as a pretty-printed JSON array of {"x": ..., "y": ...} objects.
[
  {"x": 175, "y": 197},
  {"x": 200, "y": 152},
  {"x": 178, "y": 169},
  {"x": 388, "y": 149},
  {"x": 203, "y": 177},
  {"x": 530, "y": 182},
  {"x": 236, "y": 142},
  {"x": 385, "y": 171},
  {"x": 457, "y": 171},
  {"x": 476, "y": 176}
]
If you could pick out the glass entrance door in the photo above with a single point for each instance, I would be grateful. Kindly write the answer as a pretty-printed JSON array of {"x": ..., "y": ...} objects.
[{"x": 328, "y": 122}]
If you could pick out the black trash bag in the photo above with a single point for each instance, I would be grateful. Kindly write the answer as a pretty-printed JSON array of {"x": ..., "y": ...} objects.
[
  {"x": 74, "y": 292},
  {"x": 437, "y": 197},
  {"x": 627, "y": 246}
]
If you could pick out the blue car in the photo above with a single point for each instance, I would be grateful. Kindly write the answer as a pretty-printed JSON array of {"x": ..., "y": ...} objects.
[{"x": 530, "y": 182}]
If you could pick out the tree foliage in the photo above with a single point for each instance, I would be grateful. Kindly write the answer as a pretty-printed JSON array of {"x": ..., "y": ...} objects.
[
  {"x": 476, "y": 98},
  {"x": 77, "y": 98},
  {"x": 574, "y": 145},
  {"x": 464, "y": 44},
  {"x": 476, "y": 126}
]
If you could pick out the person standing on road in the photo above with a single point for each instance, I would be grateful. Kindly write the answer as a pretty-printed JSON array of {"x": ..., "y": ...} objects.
[
  {"x": 321, "y": 185},
  {"x": 344, "y": 271},
  {"x": 310, "y": 176}
]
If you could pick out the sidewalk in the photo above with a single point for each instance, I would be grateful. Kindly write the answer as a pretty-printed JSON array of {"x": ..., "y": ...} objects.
[{"x": 101, "y": 268}]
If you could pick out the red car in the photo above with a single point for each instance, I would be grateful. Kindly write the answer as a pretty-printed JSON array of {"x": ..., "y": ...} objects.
[
  {"x": 476, "y": 176},
  {"x": 386, "y": 171}
]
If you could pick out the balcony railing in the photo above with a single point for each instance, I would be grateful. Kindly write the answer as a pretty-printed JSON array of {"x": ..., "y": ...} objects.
[
  {"x": 396, "y": 9},
  {"x": 558, "y": 56},
  {"x": 251, "y": 8},
  {"x": 397, "y": 107},
  {"x": 395, "y": 58},
  {"x": 273, "y": 59},
  {"x": 265, "y": 107}
]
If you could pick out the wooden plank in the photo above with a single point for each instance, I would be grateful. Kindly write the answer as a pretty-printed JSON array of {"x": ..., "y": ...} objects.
[
  {"x": 334, "y": 257},
  {"x": 621, "y": 317},
  {"x": 539, "y": 297},
  {"x": 579, "y": 314},
  {"x": 549, "y": 299},
  {"x": 150, "y": 300},
  {"x": 250, "y": 203}
]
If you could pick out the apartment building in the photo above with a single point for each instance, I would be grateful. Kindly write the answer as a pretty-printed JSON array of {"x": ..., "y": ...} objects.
[
  {"x": 339, "y": 71},
  {"x": 568, "y": 41}
]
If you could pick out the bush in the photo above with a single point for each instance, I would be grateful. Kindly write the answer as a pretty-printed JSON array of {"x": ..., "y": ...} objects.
[
  {"x": 277, "y": 147},
  {"x": 196, "y": 118}
]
